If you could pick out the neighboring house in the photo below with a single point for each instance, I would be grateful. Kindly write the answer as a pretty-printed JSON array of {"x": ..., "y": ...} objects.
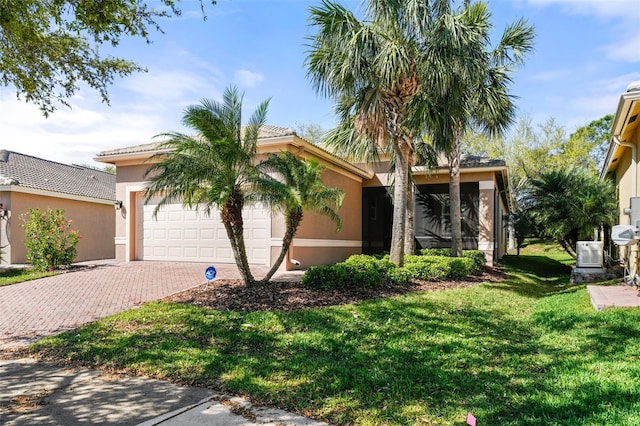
[
  {"x": 178, "y": 234},
  {"x": 622, "y": 161},
  {"x": 86, "y": 196}
]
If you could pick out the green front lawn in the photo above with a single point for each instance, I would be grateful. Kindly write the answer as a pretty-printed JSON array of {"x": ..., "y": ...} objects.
[
  {"x": 527, "y": 351},
  {"x": 14, "y": 276}
]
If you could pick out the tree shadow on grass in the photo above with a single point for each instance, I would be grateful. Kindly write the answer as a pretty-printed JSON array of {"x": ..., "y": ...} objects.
[{"x": 536, "y": 276}]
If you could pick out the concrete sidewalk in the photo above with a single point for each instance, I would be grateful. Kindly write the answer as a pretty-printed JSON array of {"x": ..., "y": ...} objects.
[
  {"x": 613, "y": 296},
  {"x": 42, "y": 393}
]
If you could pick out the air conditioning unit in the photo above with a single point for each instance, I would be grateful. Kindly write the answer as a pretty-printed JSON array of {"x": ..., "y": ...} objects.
[
  {"x": 623, "y": 235},
  {"x": 590, "y": 254}
]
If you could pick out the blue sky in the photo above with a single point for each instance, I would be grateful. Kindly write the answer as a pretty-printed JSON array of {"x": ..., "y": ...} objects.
[{"x": 586, "y": 53}]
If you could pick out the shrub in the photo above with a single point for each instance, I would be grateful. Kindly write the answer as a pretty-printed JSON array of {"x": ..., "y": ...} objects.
[
  {"x": 370, "y": 271},
  {"x": 357, "y": 271},
  {"x": 479, "y": 260},
  {"x": 438, "y": 267},
  {"x": 478, "y": 257},
  {"x": 49, "y": 239},
  {"x": 436, "y": 252},
  {"x": 325, "y": 277}
]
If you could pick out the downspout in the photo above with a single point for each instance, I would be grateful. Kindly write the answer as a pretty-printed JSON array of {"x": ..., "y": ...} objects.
[{"x": 634, "y": 163}]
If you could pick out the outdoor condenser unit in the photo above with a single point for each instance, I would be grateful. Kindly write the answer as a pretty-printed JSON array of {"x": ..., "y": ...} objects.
[
  {"x": 623, "y": 235},
  {"x": 589, "y": 254}
]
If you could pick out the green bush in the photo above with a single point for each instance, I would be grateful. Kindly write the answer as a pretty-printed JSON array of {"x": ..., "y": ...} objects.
[
  {"x": 438, "y": 267},
  {"x": 372, "y": 271},
  {"x": 479, "y": 260},
  {"x": 325, "y": 277},
  {"x": 436, "y": 252},
  {"x": 49, "y": 239}
]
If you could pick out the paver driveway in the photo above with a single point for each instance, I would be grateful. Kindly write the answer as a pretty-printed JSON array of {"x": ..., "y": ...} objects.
[{"x": 39, "y": 308}]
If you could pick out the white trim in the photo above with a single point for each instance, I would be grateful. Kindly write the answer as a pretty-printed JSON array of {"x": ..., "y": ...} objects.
[
  {"x": 312, "y": 242},
  {"x": 127, "y": 227},
  {"x": 485, "y": 246},
  {"x": 42, "y": 192},
  {"x": 486, "y": 184},
  {"x": 119, "y": 241}
]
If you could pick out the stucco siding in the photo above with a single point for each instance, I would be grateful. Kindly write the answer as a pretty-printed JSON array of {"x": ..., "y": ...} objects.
[{"x": 94, "y": 221}]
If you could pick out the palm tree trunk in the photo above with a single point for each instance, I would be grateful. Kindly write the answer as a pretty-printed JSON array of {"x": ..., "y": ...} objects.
[
  {"x": 409, "y": 230},
  {"x": 455, "y": 209},
  {"x": 231, "y": 215},
  {"x": 399, "y": 204},
  {"x": 293, "y": 220}
]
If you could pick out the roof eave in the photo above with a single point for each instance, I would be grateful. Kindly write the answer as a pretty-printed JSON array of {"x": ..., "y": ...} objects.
[{"x": 625, "y": 104}]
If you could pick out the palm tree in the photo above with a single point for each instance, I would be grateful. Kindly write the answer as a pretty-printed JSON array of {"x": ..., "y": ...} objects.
[
  {"x": 212, "y": 169},
  {"x": 295, "y": 185},
  {"x": 468, "y": 84},
  {"x": 568, "y": 204},
  {"x": 370, "y": 68}
]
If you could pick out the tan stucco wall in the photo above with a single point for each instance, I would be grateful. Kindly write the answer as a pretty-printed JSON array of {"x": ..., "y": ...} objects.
[
  {"x": 318, "y": 231},
  {"x": 624, "y": 184},
  {"x": 128, "y": 177},
  {"x": 94, "y": 221},
  {"x": 313, "y": 227}
]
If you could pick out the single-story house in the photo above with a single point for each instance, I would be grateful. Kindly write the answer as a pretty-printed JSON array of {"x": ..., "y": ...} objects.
[
  {"x": 179, "y": 234},
  {"x": 86, "y": 195},
  {"x": 622, "y": 161}
]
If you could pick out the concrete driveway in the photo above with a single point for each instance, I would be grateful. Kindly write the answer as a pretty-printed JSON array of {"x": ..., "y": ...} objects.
[{"x": 39, "y": 308}]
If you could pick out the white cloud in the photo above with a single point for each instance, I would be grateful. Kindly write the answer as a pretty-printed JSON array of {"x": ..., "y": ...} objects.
[
  {"x": 551, "y": 75},
  {"x": 605, "y": 9},
  {"x": 626, "y": 49},
  {"x": 246, "y": 78}
]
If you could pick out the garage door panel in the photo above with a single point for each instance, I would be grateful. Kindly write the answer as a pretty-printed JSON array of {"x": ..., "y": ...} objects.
[
  {"x": 182, "y": 234},
  {"x": 174, "y": 234}
]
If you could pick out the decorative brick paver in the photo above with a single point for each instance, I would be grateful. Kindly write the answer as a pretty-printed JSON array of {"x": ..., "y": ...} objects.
[{"x": 39, "y": 308}]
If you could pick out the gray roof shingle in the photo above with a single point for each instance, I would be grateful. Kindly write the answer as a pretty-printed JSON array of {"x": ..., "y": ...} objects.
[{"x": 37, "y": 173}]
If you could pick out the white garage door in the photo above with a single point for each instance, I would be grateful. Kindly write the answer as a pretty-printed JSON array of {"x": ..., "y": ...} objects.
[{"x": 180, "y": 234}]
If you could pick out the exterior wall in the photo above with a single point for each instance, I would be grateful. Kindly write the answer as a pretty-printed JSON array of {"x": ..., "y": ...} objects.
[
  {"x": 129, "y": 180},
  {"x": 486, "y": 216},
  {"x": 94, "y": 221},
  {"x": 624, "y": 184},
  {"x": 492, "y": 234},
  {"x": 317, "y": 242}
]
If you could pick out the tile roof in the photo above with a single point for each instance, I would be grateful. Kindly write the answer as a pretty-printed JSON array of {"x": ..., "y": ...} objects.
[
  {"x": 32, "y": 172},
  {"x": 265, "y": 132},
  {"x": 471, "y": 162}
]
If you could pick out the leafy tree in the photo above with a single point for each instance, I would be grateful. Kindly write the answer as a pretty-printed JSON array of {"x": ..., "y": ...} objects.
[
  {"x": 50, "y": 47},
  {"x": 588, "y": 144},
  {"x": 295, "y": 186},
  {"x": 567, "y": 204},
  {"x": 370, "y": 68},
  {"x": 49, "y": 239},
  {"x": 212, "y": 169},
  {"x": 311, "y": 132},
  {"x": 469, "y": 83}
]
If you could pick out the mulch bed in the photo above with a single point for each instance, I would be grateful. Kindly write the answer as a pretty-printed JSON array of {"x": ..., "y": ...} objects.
[{"x": 233, "y": 295}]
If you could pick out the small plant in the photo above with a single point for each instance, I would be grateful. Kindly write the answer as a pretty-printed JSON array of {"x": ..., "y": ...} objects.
[{"x": 49, "y": 239}]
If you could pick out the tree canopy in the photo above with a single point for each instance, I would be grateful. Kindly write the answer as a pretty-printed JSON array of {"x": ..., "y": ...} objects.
[{"x": 49, "y": 48}]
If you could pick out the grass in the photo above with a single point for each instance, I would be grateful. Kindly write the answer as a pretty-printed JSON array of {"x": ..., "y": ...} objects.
[
  {"x": 17, "y": 275},
  {"x": 528, "y": 351}
]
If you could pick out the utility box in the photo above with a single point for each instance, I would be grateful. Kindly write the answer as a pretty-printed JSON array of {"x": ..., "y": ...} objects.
[{"x": 590, "y": 254}]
